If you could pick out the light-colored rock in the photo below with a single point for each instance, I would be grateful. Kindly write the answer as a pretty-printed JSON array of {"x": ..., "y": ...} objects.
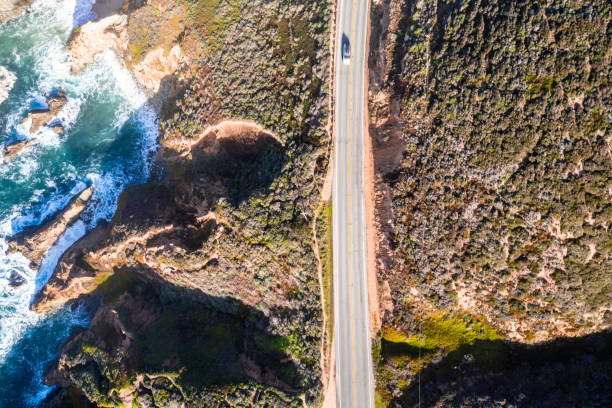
[
  {"x": 110, "y": 33},
  {"x": 37, "y": 119},
  {"x": 12, "y": 8},
  {"x": 70, "y": 279},
  {"x": 10, "y": 151},
  {"x": 95, "y": 37},
  {"x": 42, "y": 117}
]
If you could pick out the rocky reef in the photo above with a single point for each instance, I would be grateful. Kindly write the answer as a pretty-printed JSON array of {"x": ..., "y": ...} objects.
[
  {"x": 37, "y": 118},
  {"x": 10, "y": 9},
  {"x": 207, "y": 281},
  {"x": 490, "y": 124},
  {"x": 35, "y": 242}
]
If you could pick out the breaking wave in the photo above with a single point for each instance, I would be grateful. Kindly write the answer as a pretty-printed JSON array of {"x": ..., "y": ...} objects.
[{"x": 109, "y": 138}]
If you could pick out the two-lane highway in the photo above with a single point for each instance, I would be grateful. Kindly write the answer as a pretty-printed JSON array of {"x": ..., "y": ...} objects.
[{"x": 354, "y": 375}]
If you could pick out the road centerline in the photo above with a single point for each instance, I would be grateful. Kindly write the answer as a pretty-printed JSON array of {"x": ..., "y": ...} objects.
[
  {"x": 354, "y": 385},
  {"x": 350, "y": 247}
]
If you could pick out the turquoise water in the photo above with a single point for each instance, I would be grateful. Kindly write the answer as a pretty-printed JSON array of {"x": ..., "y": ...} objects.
[{"x": 109, "y": 139}]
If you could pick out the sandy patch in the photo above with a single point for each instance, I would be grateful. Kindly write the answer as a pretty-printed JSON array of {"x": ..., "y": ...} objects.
[
  {"x": 329, "y": 399},
  {"x": 326, "y": 191},
  {"x": 324, "y": 335},
  {"x": 240, "y": 138},
  {"x": 156, "y": 65}
]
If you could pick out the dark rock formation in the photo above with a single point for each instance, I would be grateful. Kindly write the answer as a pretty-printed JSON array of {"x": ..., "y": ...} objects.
[
  {"x": 16, "y": 279},
  {"x": 42, "y": 117}
]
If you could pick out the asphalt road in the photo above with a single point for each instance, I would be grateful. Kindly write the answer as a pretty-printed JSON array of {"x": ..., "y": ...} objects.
[{"x": 354, "y": 375}]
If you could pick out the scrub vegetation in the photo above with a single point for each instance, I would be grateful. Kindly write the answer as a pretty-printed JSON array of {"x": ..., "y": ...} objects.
[
  {"x": 206, "y": 275},
  {"x": 499, "y": 197}
]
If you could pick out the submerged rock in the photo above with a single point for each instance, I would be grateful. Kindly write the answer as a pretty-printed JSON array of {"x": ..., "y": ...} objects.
[
  {"x": 11, "y": 150},
  {"x": 58, "y": 129}
]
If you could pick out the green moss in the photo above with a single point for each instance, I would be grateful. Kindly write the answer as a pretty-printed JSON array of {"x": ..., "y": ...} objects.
[
  {"x": 595, "y": 122},
  {"x": 326, "y": 249},
  {"x": 540, "y": 85},
  {"x": 102, "y": 278},
  {"x": 89, "y": 348},
  {"x": 379, "y": 401},
  {"x": 443, "y": 331},
  {"x": 211, "y": 18}
]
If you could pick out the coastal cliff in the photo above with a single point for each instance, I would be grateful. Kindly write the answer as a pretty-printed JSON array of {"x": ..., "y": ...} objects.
[
  {"x": 490, "y": 129},
  {"x": 206, "y": 282}
]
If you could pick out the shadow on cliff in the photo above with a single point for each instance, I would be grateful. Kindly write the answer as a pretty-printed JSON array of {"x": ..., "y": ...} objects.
[
  {"x": 202, "y": 341},
  {"x": 565, "y": 372},
  {"x": 239, "y": 156}
]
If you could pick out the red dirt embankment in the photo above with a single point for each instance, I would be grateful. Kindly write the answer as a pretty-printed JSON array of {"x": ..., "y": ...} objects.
[{"x": 383, "y": 152}]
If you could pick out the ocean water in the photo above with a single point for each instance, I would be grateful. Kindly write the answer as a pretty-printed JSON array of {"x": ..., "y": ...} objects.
[{"x": 109, "y": 139}]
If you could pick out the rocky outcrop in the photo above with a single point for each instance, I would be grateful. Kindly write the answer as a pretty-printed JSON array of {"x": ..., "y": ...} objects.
[
  {"x": 189, "y": 242},
  {"x": 10, "y": 9},
  {"x": 42, "y": 117},
  {"x": 110, "y": 32},
  {"x": 15, "y": 279},
  {"x": 12, "y": 149},
  {"x": 72, "y": 277},
  {"x": 95, "y": 37},
  {"x": 221, "y": 150},
  {"x": 37, "y": 118},
  {"x": 35, "y": 242}
]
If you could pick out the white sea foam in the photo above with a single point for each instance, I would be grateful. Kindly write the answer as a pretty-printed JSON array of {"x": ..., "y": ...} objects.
[
  {"x": 108, "y": 83},
  {"x": 15, "y": 317},
  {"x": 69, "y": 237},
  {"x": 70, "y": 113},
  {"x": 50, "y": 207},
  {"x": 7, "y": 80}
]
